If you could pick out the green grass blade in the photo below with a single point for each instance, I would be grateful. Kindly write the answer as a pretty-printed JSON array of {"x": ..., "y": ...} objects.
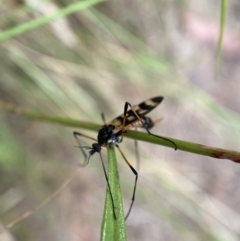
[
  {"x": 221, "y": 33},
  {"x": 113, "y": 229},
  {"x": 46, "y": 19}
]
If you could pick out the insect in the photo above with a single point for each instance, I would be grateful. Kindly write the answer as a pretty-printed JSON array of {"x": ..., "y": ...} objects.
[{"x": 111, "y": 134}]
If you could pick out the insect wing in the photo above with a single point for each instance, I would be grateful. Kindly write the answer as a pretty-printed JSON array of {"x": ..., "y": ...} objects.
[{"x": 141, "y": 109}]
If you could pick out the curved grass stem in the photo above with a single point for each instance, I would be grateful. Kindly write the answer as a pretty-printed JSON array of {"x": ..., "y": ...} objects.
[{"x": 181, "y": 145}]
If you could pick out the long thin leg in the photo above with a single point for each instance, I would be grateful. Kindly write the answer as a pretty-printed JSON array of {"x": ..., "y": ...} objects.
[
  {"x": 103, "y": 118},
  {"x": 105, "y": 173},
  {"x": 80, "y": 134},
  {"x": 76, "y": 134},
  {"x": 149, "y": 123},
  {"x": 144, "y": 126},
  {"x": 124, "y": 120},
  {"x": 135, "y": 183}
]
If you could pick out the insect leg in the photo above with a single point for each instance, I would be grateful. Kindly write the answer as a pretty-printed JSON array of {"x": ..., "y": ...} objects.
[
  {"x": 144, "y": 125},
  {"x": 76, "y": 134},
  {"x": 110, "y": 192},
  {"x": 124, "y": 120},
  {"x": 103, "y": 118},
  {"x": 135, "y": 183},
  {"x": 149, "y": 123}
]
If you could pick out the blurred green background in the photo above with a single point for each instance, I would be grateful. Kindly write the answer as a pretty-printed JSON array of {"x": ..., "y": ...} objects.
[{"x": 92, "y": 61}]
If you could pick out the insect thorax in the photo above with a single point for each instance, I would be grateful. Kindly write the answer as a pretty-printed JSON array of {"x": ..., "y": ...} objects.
[{"x": 107, "y": 137}]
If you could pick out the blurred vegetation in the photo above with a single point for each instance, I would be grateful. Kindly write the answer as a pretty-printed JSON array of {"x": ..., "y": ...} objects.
[{"x": 92, "y": 61}]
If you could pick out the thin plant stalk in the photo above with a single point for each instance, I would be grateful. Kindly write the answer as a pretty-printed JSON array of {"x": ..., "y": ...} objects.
[{"x": 113, "y": 228}]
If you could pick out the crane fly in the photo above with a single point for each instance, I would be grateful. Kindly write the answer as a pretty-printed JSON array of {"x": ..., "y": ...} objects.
[{"x": 111, "y": 134}]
